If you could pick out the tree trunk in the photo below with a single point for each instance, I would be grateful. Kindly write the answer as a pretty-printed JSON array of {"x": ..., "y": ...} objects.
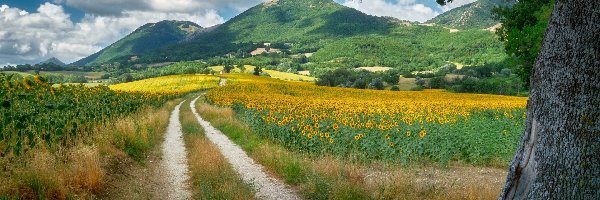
[{"x": 559, "y": 154}]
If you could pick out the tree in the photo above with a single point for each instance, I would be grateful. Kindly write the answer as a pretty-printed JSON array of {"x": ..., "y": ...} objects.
[
  {"x": 522, "y": 31},
  {"x": 376, "y": 83},
  {"x": 257, "y": 71},
  {"x": 241, "y": 67},
  {"x": 126, "y": 78},
  {"x": 558, "y": 154},
  {"x": 227, "y": 68}
]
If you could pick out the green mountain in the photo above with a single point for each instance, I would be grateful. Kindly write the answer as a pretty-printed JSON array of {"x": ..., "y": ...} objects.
[
  {"x": 337, "y": 35},
  {"x": 304, "y": 23},
  {"x": 145, "y": 39},
  {"x": 55, "y": 61},
  {"x": 476, "y": 15}
]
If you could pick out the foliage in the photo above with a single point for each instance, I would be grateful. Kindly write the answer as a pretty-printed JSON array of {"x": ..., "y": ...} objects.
[
  {"x": 413, "y": 48},
  {"x": 257, "y": 71},
  {"x": 496, "y": 85},
  {"x": 322, "y": 27},
  {"x": 379, "y": 125},
  {"x": 38, "y": 67},
  {"x": 476, "y": 15},
  {"x": 33, "y": 112},
  {"x": 184, "y": 67},
  {"x": 522, "y": 32}
]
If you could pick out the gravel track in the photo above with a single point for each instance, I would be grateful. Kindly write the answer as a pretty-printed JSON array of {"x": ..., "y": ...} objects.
[
  {"x": 251, "y": 172},
  {"x": 174, "y": 160}
]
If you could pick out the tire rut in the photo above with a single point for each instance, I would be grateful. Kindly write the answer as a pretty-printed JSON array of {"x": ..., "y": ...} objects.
[
  {"x": 251, "y": 172},
  {"x": 174, "y": 162}
]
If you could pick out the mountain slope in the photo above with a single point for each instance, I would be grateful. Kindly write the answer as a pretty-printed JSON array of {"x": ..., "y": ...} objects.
[
  {"x": 55, "y": 61},
  {"x": 145, "y": 39},
  {"x": 337, "y": 35},
  {"x": 302, "y": 22},
  {"x": 476, "y": 15}
]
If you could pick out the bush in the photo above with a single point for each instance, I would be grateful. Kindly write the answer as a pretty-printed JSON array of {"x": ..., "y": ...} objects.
[{"x": 417, "y": 88}]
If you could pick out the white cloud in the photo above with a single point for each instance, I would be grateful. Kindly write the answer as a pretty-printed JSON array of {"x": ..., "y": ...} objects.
[
  {"x": 49, "y": 32},
  {"x": 403, "y": 9},
  {"x": 107, "y": 7},
  {"x": 456, "y": 4}
]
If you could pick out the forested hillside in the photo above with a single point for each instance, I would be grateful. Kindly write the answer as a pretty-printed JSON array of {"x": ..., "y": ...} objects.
[
  {"x": 337, "y": 35},
  {"x": 144, "y": 39},
  {"x": 476, "y": 15}
]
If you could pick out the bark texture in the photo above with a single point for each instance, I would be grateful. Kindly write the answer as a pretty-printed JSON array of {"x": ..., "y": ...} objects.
[{"x": 559, "y": 154}]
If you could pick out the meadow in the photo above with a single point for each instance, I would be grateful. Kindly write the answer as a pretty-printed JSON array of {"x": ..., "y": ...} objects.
[{"x": 430, "y": 126}]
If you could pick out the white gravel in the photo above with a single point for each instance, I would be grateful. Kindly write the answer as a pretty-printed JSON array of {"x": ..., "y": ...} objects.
[
  {"x": 174, "y": 160},
  {"x": 251, "y": 172}
]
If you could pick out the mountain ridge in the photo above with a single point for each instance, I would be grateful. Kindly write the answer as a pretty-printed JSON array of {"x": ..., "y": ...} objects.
[
  {"x": 55, "y": 61},
  {"x": 476, "y": 15},
  {"x": 310, "y": 26},
  {"x": 144, "y": 39}
]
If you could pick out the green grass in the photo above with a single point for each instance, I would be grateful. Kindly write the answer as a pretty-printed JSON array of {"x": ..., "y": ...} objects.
[
  {"x": 212, "y": 176},
  {"x": 318, "y": 175},
  {"x": 293, "y": 168}
]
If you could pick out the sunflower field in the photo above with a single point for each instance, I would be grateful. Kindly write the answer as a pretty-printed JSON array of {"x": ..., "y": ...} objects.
[
  {"x": 366, "y": 125},
  {"x": 174, "y": 84},
  {"x": 34, "y": 112}
]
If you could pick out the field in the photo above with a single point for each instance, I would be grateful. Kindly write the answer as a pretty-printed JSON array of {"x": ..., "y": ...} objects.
[
  {"x": 274, "y": 74},
  {"x": 335, "y": 138},
  {"x": 175, "y": 84},
  {"x": 90, "y": 75},
  {"x": 428, "y": 126},
  {"x": 34, "y": 112}
]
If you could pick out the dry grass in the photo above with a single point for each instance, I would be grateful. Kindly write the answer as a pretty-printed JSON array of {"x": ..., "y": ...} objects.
[
  {"x": 326, "y": 177},
  {"x": 213, "y": 177},
  {"x": 79, "y": 170}
]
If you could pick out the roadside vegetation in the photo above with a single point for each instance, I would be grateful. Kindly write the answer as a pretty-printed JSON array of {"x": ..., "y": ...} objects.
[
  {"x": 212, "y": 176},
  {"x": 405, "y": 127},
  {"x": 319, "y": 175},
  {"x": 68, "y": 141}
]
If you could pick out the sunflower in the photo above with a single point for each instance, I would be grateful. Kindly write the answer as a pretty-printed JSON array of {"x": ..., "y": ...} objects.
[{"x": 422, "y": 133}]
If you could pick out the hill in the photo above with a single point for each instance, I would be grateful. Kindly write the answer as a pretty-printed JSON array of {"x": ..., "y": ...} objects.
[
  {"x": 337, "y": 35},
  {"x": 476, "y": 15},
  {"x": 55, "y": 61},
  {"x": 304, "y": 23},
  {"x": 144, "y": 39}
]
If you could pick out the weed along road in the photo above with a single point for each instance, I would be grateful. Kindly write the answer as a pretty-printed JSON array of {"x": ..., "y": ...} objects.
[
  {"x": 174, "y": 160},
  {"x": 267, "y": 187}
]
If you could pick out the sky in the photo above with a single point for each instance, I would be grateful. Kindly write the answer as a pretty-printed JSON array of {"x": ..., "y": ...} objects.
[{"x": 32, "y": 31}]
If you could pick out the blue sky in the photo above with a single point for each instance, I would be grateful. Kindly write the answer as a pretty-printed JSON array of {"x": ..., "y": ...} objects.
[
  {"x": 35, "y": 30},
  {"x": 226, "y": 12}
]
